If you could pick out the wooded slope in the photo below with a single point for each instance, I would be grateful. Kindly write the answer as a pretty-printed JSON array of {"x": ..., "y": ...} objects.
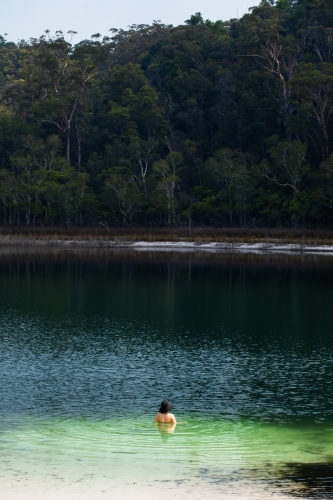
[{"x": 209, "y": 123}]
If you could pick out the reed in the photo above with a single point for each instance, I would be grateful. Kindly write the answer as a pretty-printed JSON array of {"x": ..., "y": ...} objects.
[{"x": 13, "y": 235}]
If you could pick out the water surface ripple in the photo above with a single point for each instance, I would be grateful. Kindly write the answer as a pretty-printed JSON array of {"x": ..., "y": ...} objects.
[{"x": 89, "y": 348}]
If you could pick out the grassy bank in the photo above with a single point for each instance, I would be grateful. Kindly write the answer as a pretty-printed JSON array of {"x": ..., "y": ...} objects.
[{"x": 100, "y": 235}]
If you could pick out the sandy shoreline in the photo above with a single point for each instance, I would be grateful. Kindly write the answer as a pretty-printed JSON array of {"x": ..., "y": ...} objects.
[
  {"x": 24, "y": 490},
  {"x": 236, "y": 247},
  {"x": 178, "y": 246}
]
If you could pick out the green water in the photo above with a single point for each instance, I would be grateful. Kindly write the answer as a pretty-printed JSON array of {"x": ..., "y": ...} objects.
[
  {"x": 213, "y": 450},
  {"x": 91, "y": 342}
]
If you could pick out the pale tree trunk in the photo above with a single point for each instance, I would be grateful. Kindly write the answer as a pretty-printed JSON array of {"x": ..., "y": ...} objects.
[
  {"x": 78, "y": 148},
  {"x": 230, "y": 208},
  {"x": 68, "y": 155}
]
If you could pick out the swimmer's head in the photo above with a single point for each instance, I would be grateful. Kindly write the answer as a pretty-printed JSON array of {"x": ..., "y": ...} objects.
[{"x": 165, "y": 406}]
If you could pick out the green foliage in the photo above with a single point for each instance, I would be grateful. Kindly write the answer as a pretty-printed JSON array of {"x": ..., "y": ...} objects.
[{"x": 210, "y": 122}]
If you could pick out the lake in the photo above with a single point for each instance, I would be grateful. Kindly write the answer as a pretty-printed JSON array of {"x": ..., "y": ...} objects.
[{"x": 93, "y": 340}]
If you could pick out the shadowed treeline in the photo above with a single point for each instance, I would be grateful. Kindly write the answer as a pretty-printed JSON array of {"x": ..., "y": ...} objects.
[{"x": 206, "y": 124}]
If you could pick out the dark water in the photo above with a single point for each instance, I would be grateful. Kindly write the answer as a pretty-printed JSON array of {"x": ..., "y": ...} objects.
[{"x": 91, "y": 342}]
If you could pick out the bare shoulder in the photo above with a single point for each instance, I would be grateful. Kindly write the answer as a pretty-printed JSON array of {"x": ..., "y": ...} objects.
[{"x": 172, "y": 418}]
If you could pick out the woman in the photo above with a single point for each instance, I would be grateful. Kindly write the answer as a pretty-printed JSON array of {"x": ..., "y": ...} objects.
[{"x": 163, "y": 416}]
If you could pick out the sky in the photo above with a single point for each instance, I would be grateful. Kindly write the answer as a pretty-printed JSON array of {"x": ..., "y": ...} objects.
[{"x": 22, "y": 19}]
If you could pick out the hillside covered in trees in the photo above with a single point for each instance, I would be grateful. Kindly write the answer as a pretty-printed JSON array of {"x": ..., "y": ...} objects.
[{"x": 209, "y": 123}]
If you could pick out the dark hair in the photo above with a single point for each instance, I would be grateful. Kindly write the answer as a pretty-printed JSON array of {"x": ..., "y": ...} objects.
[{"x": 165, "y": 406}]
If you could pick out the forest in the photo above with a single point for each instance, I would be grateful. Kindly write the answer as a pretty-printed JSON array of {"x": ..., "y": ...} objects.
[{"x": 210, "y": 123}]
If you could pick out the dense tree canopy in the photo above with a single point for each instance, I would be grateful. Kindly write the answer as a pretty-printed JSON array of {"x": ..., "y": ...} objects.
[{"x": 207, "y": 123}]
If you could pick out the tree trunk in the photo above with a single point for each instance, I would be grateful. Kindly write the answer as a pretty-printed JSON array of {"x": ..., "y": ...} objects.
[
  {"x": 285, "y": 108},
  {"x": 230, "y": 208},
  {"x": 325, "y": 137},
  {"x": 68, "y": 146},
  {"x": 78, "y": 148}
]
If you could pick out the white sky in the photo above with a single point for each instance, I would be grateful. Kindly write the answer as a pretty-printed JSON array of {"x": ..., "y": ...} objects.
[{"x": 23, "y": 19}]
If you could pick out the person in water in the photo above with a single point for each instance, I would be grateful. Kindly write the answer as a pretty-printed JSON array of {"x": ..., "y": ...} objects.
[{"x": 164, "y": 416}]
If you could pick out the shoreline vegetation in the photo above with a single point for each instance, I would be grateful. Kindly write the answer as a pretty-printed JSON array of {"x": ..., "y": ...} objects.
[
  {"x": 203, "y": 239},
  {"x": 209, "y": 123}
]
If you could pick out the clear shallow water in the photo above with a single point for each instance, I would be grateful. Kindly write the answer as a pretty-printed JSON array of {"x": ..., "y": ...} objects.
[{"x": 90, "y": 344}]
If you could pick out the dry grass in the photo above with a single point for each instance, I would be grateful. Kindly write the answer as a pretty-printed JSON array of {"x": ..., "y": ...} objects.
[{"x": 99, "y": 236}]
